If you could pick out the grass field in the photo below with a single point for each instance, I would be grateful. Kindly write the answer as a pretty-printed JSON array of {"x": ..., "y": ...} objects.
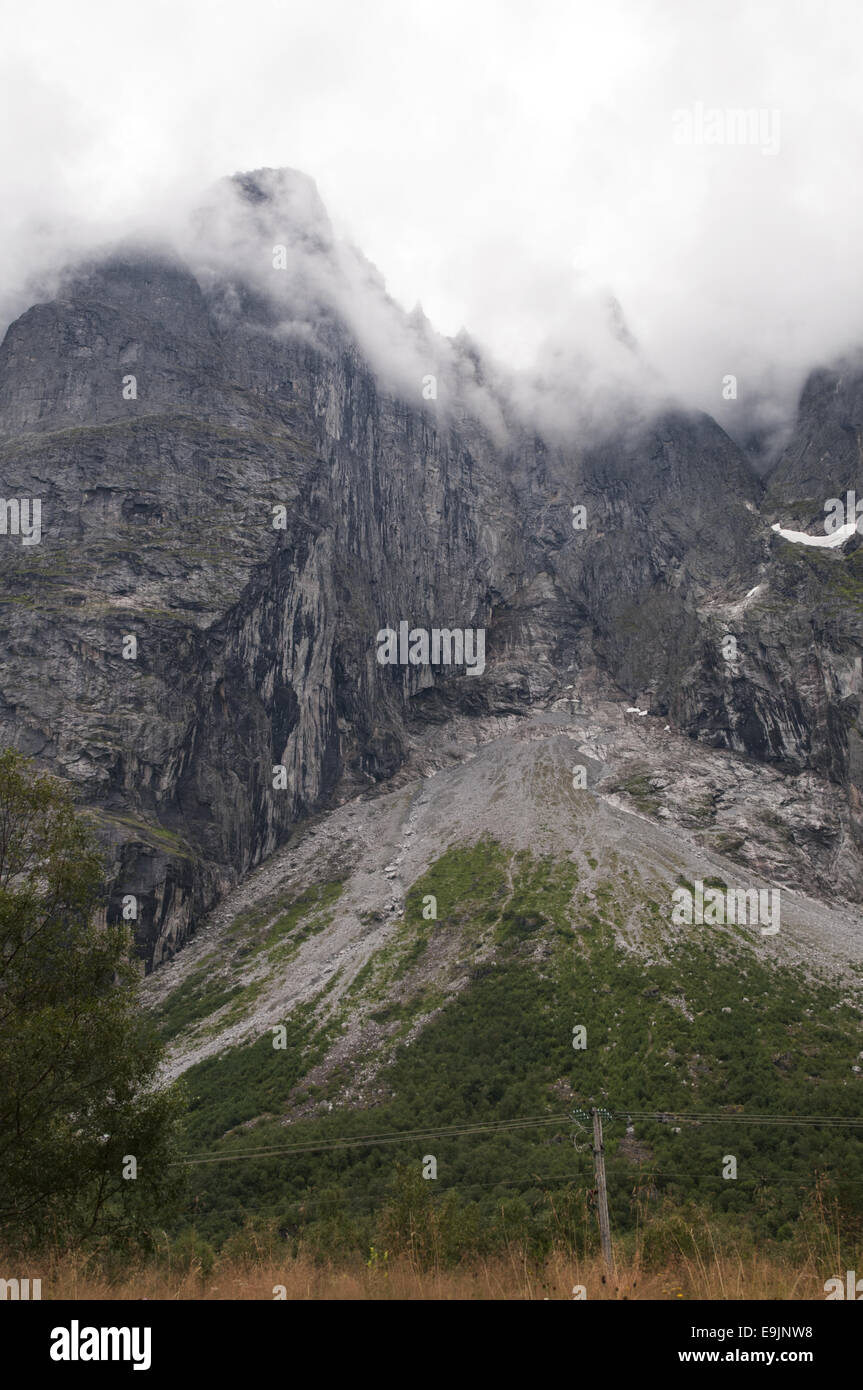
[{"x": 511, "y": 1276}]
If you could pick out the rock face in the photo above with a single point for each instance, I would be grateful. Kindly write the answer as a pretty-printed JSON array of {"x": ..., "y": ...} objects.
[
  {"x": 249, "y": 461},
  {"x": 825, "y": 450}
]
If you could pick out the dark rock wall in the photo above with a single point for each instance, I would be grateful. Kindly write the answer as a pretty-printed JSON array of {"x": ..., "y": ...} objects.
[{"x": 256, "y": 646}]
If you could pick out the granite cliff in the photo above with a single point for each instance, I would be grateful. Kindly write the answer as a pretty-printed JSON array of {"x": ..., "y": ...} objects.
[{"x": 250, "y": 461}]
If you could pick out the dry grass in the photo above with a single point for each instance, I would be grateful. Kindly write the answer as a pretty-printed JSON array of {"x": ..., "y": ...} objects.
[{"x": 513, "y": 1277}]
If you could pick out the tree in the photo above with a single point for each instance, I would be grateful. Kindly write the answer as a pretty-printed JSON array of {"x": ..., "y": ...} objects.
[{"x": 79, "y": 1095}]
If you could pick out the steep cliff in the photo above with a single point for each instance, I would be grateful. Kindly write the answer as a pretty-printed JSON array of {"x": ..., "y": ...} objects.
[{"x": 250, "y": 461}]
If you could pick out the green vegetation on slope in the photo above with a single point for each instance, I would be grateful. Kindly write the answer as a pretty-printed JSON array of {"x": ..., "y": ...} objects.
[
  {"x": 271, "y": 935},
  {"x": 708, "y": 1024}
]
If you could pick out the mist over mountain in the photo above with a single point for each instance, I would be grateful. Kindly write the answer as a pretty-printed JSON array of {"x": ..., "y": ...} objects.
[{"x": 251, "y": 460}]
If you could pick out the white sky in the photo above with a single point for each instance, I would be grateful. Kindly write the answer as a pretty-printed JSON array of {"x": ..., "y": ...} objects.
[{"x": 496, "y": 160}]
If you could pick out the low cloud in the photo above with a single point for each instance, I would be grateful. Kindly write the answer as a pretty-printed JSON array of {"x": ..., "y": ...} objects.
[{"x": 518, "y": 173}]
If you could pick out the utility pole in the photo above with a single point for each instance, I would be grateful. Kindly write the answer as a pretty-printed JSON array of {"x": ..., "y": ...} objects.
[{"x": 601, "y": 1191}]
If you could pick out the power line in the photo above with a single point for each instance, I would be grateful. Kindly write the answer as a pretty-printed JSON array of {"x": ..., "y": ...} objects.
[
  {"x": 390, "y": 1137},
  {"x": 528, "y": 1122},
  {"x": 705, "y": 1117}
]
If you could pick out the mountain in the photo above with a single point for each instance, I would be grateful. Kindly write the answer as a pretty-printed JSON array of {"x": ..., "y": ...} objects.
[
  {"x": 250, "y": 464},
  {"x": 163, "y": 410}
]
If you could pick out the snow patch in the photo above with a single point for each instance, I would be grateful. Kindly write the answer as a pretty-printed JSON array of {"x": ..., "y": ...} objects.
[{"x": 838, "y": 537}]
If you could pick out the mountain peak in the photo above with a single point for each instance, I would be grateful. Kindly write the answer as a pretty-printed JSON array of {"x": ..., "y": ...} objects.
[{"x": 283, "y": 204}]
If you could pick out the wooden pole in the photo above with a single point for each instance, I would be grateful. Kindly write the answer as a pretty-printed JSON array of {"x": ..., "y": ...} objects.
[{"x": 602, "y": 1193}]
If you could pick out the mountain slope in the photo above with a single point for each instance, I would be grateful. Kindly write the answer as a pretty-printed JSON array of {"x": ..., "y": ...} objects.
[{"x": 320, "y": 1005}]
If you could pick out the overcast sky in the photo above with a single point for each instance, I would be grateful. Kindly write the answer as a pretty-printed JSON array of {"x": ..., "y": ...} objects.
[{"x": 498, "y": 161}]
